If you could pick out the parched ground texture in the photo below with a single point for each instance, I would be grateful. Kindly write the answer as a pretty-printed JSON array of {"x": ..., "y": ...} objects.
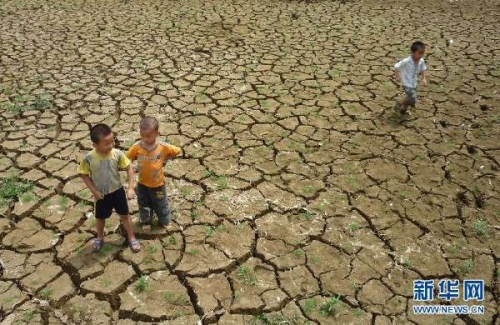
[{"x": 300, "y": 197}]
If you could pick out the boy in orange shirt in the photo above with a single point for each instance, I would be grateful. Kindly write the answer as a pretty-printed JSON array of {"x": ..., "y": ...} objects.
[{"x": 151, "y": 156}]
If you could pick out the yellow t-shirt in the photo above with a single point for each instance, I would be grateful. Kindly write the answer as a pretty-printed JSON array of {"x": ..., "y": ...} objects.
[
  {"x": 104, "y": 170},
  {"x": 151, "y": 163}
]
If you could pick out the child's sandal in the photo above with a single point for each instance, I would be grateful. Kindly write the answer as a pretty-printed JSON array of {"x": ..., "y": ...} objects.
[
  {"x": 134, "y": 245},
  {"x": 97, "y": 244}
]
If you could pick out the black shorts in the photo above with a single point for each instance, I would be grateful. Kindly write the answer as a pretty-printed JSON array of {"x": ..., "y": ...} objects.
[{"x": 116, "y": 200}]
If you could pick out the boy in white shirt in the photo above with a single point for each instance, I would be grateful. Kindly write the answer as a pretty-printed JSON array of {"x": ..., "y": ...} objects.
[{"x": 407, "y": 71}]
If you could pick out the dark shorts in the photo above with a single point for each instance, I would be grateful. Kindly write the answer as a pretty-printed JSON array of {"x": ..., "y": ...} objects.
[
  {"x": 411, "y": 95},
  {"x": 116, "y": 200}
]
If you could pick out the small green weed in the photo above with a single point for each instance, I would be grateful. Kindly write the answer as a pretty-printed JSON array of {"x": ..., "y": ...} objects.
[
  {"x": 310, "y": 305},
  {"x": 46, "y": 293},
  {"x": 306, "y": 215},
  {"x": 192, "y": 251},
  {"x": 328, "y": 307},
  {"x": 28, "y": 315},
  {"x": 209, "y": 231},
  {"x": 245, "y": 274},
  {"x": 298, "y": 253},
  {"x": 142, "y": 284},
  {"x": 481, "y": 228},
  {"x": 353, "y": 226}
]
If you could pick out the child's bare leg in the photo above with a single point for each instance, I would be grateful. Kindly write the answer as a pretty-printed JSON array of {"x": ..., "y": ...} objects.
[
  {"x": 127, "y": 224},
  {"x": 100, "y": 228}
]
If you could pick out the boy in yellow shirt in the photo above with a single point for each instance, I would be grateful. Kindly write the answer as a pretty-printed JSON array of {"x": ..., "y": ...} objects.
[
  {"x": 99, "y": 170},
  {"x": 151, "y": 156}
]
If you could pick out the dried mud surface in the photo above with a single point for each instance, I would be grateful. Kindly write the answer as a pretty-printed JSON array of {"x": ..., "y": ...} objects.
[{"x": 297, "y": 182}]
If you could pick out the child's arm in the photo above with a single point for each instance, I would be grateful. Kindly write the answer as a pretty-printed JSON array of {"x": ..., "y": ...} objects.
[
  {"x": 125, "y": 163},
  {"x": 424, "y": 77},
  {"x": 396, "y": 75},
  {"x": 130, "y": 177},
  {"x": 84, "y": 171},
  {"x": 88, "y": 181},
  {"x": 397, "y": 66}
]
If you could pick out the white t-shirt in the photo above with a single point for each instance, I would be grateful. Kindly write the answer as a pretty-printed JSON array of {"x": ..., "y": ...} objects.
[{"x": 409, "y": 71}]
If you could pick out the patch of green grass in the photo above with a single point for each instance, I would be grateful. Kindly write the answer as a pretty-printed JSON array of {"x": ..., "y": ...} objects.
[
  {"x": 28, "y": 197},
  {"x": 454, "y": 249},
  {"x": 12, "y": 187},
  {"x": 223, "y": 198},
  {"x": 194, "y": 214},
  {"x": 6, "y": 90},
  {"x": 320, "y": 207},
  {"x": 334, "y": 73},
  {"x": 171, "y": 298},
  {"x": 308, "y": 189},
  {"x": 283, "y": 134},
  {"x": 142, "y": 285},
  {"x": 106, "y": 282},
  {"x": 63, "y": 201},
  {"x": 105, "y": 249},
  {"x": 310, "y": 305},
  {"x": 465, "y": 267},
  {"x": 357, "y": 312},
  {"x": 28, "y": 315},
  {"x": 406, "y": 262},
  {"x": 192, "y": 251},
  {"x": 298, "y": 253},
  {"x": 315, "y": 259},
  {"x": 495, "y": 118},
  {"x": 328, "y": 307},
  {"x": 21, "y": 104},
  {"x": 420, "y": 156},
  {"x": 354, "y": 285},
  {"x": 481, "y": 228},
  {"x": 353, "y": 226},
  {"x": 152, "y": 249},
  {"x": 46, "y": 293},
  {"x": 171, "y": 241},
  {"x": 351, "y": 180},
  {"x": 209, "y": 231},
  {"x": 185, "y": 192},
  {"x": 307, "y": 215},
  {"x": 245, "y": 274},
  {"x": 278, "y": 319}
]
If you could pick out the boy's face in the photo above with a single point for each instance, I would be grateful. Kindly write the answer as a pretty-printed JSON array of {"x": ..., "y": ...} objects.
[
  {"x": 105, "y": 144},
  {"x": 418, "y": 54},
  {"x": 149, "y": 136}
]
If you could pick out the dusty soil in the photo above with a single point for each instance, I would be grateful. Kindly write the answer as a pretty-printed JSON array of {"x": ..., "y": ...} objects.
[{"x": 297, "y": 183}]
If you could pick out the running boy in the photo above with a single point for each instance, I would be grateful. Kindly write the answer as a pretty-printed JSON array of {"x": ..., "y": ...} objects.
[
  {"x": 407, "y": 71},
  {"x": 99, "y": 170},
  {"x": 151, "y": 156}
]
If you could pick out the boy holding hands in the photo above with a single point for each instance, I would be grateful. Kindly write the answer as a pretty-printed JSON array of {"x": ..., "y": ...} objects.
[
  {"x": 99, "y": 170},
  {"x": 151, "y": 156}
]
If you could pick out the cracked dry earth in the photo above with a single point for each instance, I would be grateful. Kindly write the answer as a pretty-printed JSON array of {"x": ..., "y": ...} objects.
[{"x": 297, "y": 183}]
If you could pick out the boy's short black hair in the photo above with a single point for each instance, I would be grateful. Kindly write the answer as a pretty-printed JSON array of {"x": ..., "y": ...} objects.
[
  {"x": 98, "y": 131},
  {"x": 148, "y": 123},
  {"x": 418, "y": 45}
]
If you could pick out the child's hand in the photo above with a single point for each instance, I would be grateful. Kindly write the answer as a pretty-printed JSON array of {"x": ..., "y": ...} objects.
[
  {"x": 424, "y": 80},
  {"x": 98, "y": 195},
  {"x": 130, "y": 194}
]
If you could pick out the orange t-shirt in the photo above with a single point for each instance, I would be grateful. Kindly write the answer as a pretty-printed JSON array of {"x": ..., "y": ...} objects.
[{"x": 151, "y": 163}]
